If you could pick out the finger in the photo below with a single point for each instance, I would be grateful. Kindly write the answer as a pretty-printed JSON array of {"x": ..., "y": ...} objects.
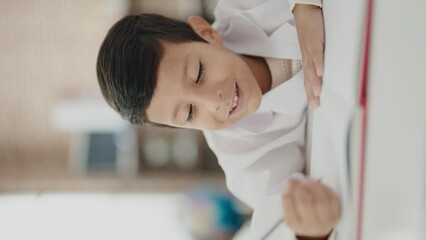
[
  {"x": 314, "y": 102},
  {"x": 291, "y": 216},
  {"x": 308, "y": 86},
  {"x": 304, "y": 202},
  {"x": 322, "y": 201},
  {"x": 311, "y": 81},
  {"x": 318, "y": 59},
  {"x": 315, "y": 80},
  {"x": 312, "y": 99},
  {"x": 334, "y": 202},
  {"x": 336, "y": 205},
  {"x": 289, "y": 186},
  {"x": 289, "y": 203}
]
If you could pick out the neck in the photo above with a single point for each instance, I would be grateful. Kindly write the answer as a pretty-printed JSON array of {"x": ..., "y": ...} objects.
[{"x": 260, "y": 71}]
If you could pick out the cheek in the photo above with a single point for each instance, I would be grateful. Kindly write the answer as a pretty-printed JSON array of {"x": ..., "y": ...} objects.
[{"x": 210, "y": 123}]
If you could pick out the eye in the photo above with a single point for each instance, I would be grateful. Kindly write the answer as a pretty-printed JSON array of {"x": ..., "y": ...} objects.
[
  {"x": 200, "y": 72},
  {"x": 190, "y": 113}
]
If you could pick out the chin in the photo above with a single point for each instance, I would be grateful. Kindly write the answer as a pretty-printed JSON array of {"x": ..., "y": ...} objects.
[{"x": 253, "y": 106}]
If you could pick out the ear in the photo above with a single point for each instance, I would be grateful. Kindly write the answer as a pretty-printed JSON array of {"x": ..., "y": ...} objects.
[{"x": 204, "y": 30}]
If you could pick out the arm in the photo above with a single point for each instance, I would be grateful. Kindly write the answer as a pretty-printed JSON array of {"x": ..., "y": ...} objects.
[{"x": 310, "y": 31}]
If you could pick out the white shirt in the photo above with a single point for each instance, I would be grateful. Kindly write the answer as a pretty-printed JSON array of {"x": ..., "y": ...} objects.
[{"x": 260, "y": 152}]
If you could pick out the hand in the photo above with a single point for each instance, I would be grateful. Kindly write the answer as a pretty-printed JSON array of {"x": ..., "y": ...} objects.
[
  {"x": 310, "y": 31},
  {"x": 310, "y": 208}
]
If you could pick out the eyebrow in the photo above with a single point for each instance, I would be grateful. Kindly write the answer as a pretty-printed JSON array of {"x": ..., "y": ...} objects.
[{"x": 184, "y": 76}]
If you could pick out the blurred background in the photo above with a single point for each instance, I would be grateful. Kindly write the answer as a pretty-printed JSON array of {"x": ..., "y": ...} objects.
[{"x": 70, "y": 168}]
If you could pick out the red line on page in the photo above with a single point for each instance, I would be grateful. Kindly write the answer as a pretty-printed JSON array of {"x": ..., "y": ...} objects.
[{"x": 363, "y": 101}]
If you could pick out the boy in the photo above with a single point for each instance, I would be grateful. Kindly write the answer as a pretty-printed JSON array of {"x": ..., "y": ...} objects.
[{"x": 241, "y": 83}]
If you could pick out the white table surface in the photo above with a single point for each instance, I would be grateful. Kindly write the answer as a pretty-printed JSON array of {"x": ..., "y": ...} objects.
[{"x": 395, "y": 192}]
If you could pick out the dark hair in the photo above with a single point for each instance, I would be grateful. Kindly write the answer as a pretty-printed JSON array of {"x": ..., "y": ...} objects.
[{"x": 129, "y": 57}]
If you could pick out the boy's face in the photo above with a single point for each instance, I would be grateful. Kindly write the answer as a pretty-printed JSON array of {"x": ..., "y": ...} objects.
[{"x": 203, "y": 85}]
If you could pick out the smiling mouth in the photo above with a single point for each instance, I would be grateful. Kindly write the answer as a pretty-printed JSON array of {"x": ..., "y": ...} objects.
[{"x": 236, "y": 101}]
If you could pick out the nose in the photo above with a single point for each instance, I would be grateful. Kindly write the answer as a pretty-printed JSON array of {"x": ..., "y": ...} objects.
[{"x": 212, "y": 99}]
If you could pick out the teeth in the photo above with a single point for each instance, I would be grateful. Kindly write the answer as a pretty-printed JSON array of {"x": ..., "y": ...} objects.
[{"x": 235, "y": 99}]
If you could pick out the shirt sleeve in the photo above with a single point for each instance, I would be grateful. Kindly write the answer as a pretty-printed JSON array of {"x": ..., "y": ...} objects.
[
  {"x": 256, "y": 167},
  {"x": 333, "y": 236},
  {"x": 311, "y": 2}
]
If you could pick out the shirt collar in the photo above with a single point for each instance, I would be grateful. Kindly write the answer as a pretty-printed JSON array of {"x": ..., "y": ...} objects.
[{"x": 288, "y": 98}]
